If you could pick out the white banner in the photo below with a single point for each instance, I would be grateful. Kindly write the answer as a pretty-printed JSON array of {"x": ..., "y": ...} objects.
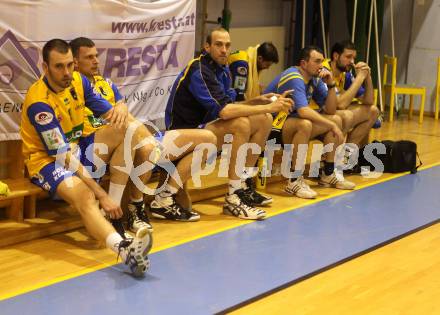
[{"x": 142, "y": 47}]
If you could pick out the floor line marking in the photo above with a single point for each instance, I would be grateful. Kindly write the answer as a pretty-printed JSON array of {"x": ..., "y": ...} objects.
[{"x": 106, "y": 264}]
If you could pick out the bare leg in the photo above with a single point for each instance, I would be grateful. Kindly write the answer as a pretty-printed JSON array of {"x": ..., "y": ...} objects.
[
  {"x": 364, "y": 118},
  {"x": 82, "y": 199},
  {"x": 296, "y": 131},
  {"x": 260, "y": 130},
  {"x": 240, "y": 129}
]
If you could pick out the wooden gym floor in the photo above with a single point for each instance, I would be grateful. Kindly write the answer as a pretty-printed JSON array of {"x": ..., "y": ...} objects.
[{"x": 400, "y": 277}]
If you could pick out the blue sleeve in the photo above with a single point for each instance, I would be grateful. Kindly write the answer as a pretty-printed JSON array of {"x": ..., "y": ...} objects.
[
  {"x": 239, "y": 71},
  {"x": 227, "y": 83},
  {"x": 320, "y": 93},
  {"x": 272, "y": 87},
  {"x": 299, "y": 94},
  {"x": 208, "y": 91},
  {"x": 94, "y": 101},
  {"x": 349, "y": 78},
  {"x": 45, "y": 122},
  {"x": 118, "y": 95}
]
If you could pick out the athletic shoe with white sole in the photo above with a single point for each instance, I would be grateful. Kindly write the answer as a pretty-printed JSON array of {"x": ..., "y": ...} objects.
[
  {"x": 336, "y": 180},
  {"x": 237, "y": 207},
  {"x": 300, "y": 189},
  {"x": 136, "y": 250}
]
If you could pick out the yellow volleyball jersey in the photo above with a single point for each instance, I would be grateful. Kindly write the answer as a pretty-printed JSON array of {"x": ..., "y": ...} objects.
[{"x": 51, "y": 121}]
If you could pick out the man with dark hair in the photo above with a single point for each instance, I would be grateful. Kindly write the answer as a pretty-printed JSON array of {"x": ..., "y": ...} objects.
[
  {"x": 354, "y": 92},
  {"x": 58, "y": 157},
  {"x": 165, "y": 206},
  {"x": 246, "y": 65},
  {"x": 308, "y": 81},
  {"x": 202, "y": 97}
]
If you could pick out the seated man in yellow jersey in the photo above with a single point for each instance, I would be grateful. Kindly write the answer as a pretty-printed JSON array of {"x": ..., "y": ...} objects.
[
  {"x": 246, "y": 66},
  {"x": 51, "y": 128},
  {"x": 354, "y": 92},
  {"x": 86, "y": 61},
  {"x": 309, "y": 80}
]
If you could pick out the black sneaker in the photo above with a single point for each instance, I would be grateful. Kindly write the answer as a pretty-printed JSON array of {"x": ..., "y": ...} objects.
[
  {"x": 119, "y": 227},
  {"x": 254, "y": 197},
  {"x": 172, "y": 211},
  {"x": 137, "y": 217}
]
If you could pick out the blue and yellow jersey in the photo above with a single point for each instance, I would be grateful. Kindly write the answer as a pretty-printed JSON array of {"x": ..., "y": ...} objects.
[
  {"x": 343, "y": 80},
  {"x": 50, "y": 121},
  {"x": 303, "y": 92},
  {"x": 110, "y": 92},
  {"x": 239, "y": 67},
  {"x": 198, "y": 94}
]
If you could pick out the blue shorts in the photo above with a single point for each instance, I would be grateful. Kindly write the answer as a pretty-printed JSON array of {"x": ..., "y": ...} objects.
[{"x": 52, "y": 174}]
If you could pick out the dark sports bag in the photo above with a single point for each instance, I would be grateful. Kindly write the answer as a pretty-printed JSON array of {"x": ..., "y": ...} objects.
[{"x": 400, "y": 156}]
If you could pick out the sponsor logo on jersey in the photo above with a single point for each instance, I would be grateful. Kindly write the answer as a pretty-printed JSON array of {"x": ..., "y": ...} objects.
[
  {"x": 53, "y": 138},
  {"x": 43, "y": 118}
]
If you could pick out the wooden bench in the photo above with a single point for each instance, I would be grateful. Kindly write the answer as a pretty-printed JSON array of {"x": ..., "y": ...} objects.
[{"x": 21, "y": 201}]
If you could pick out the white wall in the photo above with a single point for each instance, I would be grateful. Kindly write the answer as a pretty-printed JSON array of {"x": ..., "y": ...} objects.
[
  {"x": 245, "y": 13},
  {"x": 243, "y": 37},
  {"x": 425, "y": 48}
]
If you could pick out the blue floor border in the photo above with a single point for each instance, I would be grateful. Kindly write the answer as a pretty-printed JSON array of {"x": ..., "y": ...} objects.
[{"x": 215, "y": 273}]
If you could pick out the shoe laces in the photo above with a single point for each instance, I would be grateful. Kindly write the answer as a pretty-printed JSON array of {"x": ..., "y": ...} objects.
[
  {"x": 303, "y": 183},
  {"x": 123, "y": 245},
  {"x": 245, "y": 196},
  {"x": 141, "y": 216}
]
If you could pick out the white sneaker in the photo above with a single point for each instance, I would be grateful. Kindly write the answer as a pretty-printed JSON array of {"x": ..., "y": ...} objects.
[
  {"x": 300, "y": 189},
  {"x": 136, "y": 250},
  {"x": 337, "y": 180},
  {"x": 235, "y": 206}
]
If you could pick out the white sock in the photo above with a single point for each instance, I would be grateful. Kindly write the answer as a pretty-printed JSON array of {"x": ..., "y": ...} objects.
[
  {"x": 234, "y": 184},
  {"x": 115, "y": 191},
  {"x": 164, "y": 197},
  {"x": 112, "y": 241},
  {"x": 172, "y": 190}
]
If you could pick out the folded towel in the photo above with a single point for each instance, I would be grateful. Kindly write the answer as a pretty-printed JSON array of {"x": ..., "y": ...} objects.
[{"x": 4, "y": 189}]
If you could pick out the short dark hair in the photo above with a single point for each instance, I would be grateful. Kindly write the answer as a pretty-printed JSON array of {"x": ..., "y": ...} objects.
[
  {"x": 56, "y": 44},
  {"x": 304, "y": 54},
  {"x": 79, "y": 42},
  {"x": 339, "y": 47},
  {"x": 268, "y": 52},
  {"x": 216, "y": 29}
]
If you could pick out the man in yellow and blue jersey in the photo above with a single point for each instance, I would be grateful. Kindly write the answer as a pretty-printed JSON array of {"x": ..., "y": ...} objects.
[
  {"x": 58, "y": 158},
  {"x": 202, "y": 97},
  {"x": 308, "y": 81},
  {"x": 246, "y": 66},
  {"x": 354, "y": 92},
  {"x": 165, "y": 207}
]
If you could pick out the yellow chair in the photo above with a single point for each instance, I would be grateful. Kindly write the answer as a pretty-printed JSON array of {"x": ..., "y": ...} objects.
[
  {"x": 394, "y": 89},
  {"x": 437, "y": 88}
]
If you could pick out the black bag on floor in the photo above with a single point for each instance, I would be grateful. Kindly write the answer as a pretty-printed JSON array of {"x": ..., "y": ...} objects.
[{"x": 400, "y": 156}]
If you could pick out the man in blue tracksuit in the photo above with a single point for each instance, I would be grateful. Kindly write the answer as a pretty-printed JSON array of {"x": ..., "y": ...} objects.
[{"x": 202, "y": 97}]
